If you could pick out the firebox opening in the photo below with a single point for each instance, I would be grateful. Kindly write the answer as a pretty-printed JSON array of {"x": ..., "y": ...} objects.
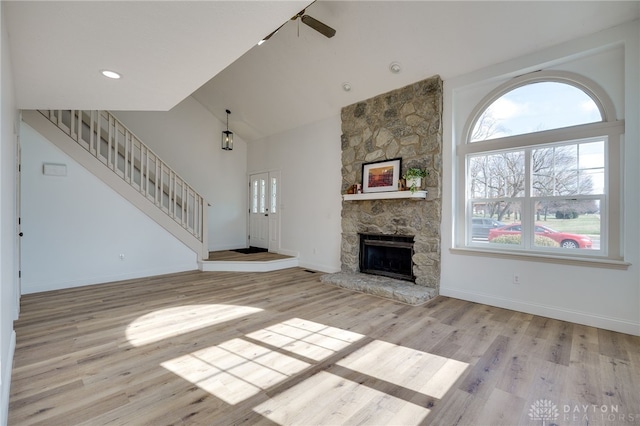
[{"x": 388, "y": 255}]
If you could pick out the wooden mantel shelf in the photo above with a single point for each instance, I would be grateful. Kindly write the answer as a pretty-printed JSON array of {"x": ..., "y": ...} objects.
[{"x": 418, "y": 195}]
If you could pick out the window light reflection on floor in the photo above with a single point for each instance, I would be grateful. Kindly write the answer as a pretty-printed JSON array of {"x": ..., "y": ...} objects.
[
  {"x": 235, "y": 370},
  {"x": 350, "y": 402},
  {"x": 165, "y": 323},
  {"x": 419, "y": 371},
  {"x": 240, "y": 368},
  {"x": 306, "y": 338}
]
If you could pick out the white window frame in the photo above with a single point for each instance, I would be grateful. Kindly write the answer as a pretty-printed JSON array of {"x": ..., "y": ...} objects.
[{"x": 611, "y": 129}]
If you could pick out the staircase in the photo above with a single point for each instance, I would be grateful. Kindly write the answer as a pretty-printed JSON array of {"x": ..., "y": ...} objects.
[{"x": 103, "y": 145}]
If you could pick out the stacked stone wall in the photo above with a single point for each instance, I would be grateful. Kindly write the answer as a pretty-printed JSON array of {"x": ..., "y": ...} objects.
[{"x": 405, "y": 123}]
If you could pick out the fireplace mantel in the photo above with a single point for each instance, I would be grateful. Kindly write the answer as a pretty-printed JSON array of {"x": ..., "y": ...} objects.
[{"x": 417, "y": 195}]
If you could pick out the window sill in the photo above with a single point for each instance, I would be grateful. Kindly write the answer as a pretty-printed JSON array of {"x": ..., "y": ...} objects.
[{"x": 536, "y": 257}]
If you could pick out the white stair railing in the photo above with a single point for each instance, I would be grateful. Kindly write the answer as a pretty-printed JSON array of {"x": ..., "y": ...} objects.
[{"x": 108, "y": 140}]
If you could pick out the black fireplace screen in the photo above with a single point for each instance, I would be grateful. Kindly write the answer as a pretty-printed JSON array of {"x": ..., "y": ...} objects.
[{"x": 388, "y": 255}]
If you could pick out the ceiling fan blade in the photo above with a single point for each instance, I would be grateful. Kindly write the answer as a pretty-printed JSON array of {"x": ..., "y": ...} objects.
[{"x": 323, "y": 29}]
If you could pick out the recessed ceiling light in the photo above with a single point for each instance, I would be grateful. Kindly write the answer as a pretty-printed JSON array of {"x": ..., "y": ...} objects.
[
  {"x": 346, "y": 87},
  {"x": 110, "y": 74},
  {"x": 395, "y": 67}
]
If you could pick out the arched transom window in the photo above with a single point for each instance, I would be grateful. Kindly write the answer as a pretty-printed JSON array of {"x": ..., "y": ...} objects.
[{"x": 536, "y": 107}]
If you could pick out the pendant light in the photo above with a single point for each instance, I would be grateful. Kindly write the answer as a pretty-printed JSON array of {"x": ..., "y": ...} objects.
[{"x": 227, "y": 136}]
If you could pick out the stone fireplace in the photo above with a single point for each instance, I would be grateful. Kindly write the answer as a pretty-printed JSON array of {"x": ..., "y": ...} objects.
[{"x": 405, "y": 123}]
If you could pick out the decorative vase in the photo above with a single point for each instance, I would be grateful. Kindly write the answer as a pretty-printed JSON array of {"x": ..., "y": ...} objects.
[{"x": 414, "y": 184}]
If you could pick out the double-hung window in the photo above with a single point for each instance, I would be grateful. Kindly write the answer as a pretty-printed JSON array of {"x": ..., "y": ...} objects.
[{"x": 541, "y": 159}]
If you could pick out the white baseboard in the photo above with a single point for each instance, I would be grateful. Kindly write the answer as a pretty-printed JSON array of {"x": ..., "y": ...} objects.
[
  {"x": 7, "y": 367},
  {"x": 249, "y": 266},
  {"x": 320, "y": 267},
  {"x": 29, "y": 288},
  {"x": 607, "y": 323}
]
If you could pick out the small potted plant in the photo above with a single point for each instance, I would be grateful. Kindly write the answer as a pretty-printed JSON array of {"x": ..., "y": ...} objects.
[{"x": 414, "y": 176}]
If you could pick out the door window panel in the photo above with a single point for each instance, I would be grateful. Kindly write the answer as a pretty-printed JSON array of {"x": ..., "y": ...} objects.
[
  {"x": 254, "y": 197},
  {"x": 274, "y": 195},
  {"x": 262, "y": 196}
]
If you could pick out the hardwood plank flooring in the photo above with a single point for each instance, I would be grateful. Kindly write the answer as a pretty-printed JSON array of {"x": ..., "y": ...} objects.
[{"x": 282, "y": 348}]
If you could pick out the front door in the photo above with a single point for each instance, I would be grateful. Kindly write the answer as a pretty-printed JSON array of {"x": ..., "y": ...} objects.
[{"x": 259, "y": 210}]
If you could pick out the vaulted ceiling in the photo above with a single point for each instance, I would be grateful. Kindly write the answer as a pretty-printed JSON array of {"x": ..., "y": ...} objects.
[
  {"x": 164, "y": 50},
  {"x": 167, "y": 50}
]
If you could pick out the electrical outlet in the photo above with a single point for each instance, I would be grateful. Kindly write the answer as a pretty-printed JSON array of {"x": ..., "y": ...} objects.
[
  {"x": 516, "y": 279},
  {"x": 121, "y": 256}
]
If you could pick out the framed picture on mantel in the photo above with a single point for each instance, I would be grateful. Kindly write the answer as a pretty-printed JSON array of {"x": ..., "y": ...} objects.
[{"x": 381, "y": 176}]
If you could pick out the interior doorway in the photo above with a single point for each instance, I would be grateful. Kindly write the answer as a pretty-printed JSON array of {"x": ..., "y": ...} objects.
[{"x": 264, "y": 210}]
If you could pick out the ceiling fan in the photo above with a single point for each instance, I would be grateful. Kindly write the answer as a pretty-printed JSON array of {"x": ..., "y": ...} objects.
[{"x": 312, "y": 22}]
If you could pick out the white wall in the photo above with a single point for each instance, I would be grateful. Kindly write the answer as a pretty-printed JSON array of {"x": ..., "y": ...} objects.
[
  {"x": 607, "y": 298},
  {"x": 187, "y": 138},
  {"x": 8, "y": 249},
  {"x": 309, "y": 158},
  {"x": 75, "y": 227}
]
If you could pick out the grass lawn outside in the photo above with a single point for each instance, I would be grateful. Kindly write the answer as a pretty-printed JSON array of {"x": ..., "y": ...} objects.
[{"x": 588, "y": 224}]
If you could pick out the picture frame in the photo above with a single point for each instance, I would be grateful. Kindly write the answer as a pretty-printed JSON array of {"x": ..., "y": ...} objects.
[{"x": 381, "y": 176}]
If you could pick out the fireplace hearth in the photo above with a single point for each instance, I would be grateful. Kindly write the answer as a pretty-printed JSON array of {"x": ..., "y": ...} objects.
[{"x": 387, "y": 255}]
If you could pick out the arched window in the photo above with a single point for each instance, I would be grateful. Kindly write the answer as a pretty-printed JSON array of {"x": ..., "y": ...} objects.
[
  {"x": 537, "y": 158},
  {"x": 535, "y": 107}
]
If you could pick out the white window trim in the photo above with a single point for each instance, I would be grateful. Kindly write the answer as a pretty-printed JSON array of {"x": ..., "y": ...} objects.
[{"x": 609, "y": 128}]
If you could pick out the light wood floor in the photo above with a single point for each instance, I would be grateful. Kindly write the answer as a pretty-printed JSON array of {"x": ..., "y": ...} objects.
[{"x": 223, "y": 348}]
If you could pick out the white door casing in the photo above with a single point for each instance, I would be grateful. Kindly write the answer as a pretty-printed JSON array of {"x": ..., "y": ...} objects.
[
  {"x": 264, "y": 211},
  {"x": 274, "y": 211}
]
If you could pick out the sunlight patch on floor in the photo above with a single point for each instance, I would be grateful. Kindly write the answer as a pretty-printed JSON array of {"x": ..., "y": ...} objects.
[
  {"x": 327, "y": 399},
  {"x": 235, "y": 370},
  {"x": 238, "y": 369},
  {"x": 419, "y": 371},
  {"x": 165, "y": 323},
  {"x": 306, "y": 338}
]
